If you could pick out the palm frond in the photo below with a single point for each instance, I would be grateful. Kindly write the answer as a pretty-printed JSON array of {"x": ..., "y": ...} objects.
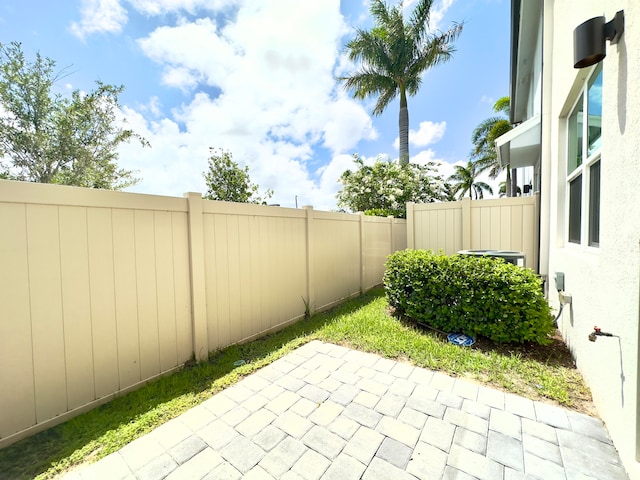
[
  {"x": 385, "y": 99},
  {"x": 381, "y": 13},
  {"x": 419, "y": 21},
  {"x": 502, "y": 105}
]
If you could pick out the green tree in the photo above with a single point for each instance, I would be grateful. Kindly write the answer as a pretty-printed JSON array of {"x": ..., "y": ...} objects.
[
  {"x": 393, "y": 55},
  {"x": 385, "y": 187},
  {"x": 465, "y": 181},
  {"x": 484, "y": 140},
  {"x": 502, "y": 189},
  {"x": 448, "y": 192},
  {"x": 228, "y": 182},
  {"x": 48, "y": 138}
]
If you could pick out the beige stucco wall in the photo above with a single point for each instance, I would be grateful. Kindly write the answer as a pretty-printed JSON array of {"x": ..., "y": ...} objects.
[
  {"x": 604, "y": 282},
  {"x": 102, "y": 291}
]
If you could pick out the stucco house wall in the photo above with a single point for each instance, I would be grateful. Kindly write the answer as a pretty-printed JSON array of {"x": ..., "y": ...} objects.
[{"x": 603, "y": 281}]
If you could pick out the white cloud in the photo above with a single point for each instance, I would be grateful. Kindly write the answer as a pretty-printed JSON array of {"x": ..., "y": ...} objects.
[
  {"x": 153, "y": 107},
  {"x": 424, "y": 157},
  {"x": 109, "y": 16},
  {"x": 345, "y": 125},
  {"x": 446, "y": 169},
  {"x": 186, "y": 66},
  {"x": 161, "y": 7},
  {"x": 275, "y": 99},
  {"x": 99, "y": 16},
  {"x": 487, "y": 100},
  {"x": 428, "y": 133},
  {"x": 438, "y": 11}
]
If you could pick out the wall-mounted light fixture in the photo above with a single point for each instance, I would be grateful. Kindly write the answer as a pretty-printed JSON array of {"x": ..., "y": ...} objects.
[{"x": 589, "y": 39}]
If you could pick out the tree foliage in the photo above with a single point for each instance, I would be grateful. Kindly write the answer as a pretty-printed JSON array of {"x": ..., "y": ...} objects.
[
  {"x": 465, "y": 181},
  {"x": 385, "y": 187},
  {"x": 228, "y": 182},
  {"x": 484, "y": 137},
  {"x": 393, "y": 55},
  {"x": 49, "y": 138}
]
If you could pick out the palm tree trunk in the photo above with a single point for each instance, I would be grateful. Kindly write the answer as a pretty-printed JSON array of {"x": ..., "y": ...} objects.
[
  {"x": 507, "y": 186},
  {"x": 404, "y": 128},
  {"x": 514, "y": 182}
]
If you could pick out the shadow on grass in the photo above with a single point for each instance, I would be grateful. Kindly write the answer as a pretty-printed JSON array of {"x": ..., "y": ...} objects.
[
  {"x": 554, "y": 354},
  {"x": 107, "y": 428}
]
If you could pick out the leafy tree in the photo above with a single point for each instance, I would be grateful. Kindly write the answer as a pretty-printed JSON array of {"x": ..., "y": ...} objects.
[
  {"x": 448, "y": 192},
  {"x": 48, "y": 138},
  {"x": 484, "y": 140},
  {"x": 228, "y": 182},
  {"x": 385, "y": 187},
  {"x": 502, "y": 189},
  {"x": 393, "y": 56},
  {"x": 464, "y": 180}
]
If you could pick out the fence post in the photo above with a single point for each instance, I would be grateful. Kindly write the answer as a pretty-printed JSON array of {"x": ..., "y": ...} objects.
[
  {"x": 535, "y": 262},
  {"x": 466, "y": 223},
  {"x": 410, "y": 226},
  {"x": 197, "y": 274},
  {"x": 391, "y": 245},
  {"x": 311, "y": 285},
  {"x": 362, "y": 258}
]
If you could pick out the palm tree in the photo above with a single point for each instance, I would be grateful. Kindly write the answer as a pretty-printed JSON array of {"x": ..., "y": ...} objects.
[
  {"x": 464, "y": 180},
  {"x": 448, "y": 192},
  {"x": 502, "y": 190},
  {"x": 393, "y": 55},
  {"x": 484, "y": 137}
]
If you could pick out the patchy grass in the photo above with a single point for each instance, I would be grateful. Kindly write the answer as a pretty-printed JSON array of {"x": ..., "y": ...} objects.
[{"x": 364, "y": 323}]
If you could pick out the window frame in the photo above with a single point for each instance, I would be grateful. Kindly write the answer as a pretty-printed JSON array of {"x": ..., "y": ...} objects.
[{"x": 583, "y": 170}]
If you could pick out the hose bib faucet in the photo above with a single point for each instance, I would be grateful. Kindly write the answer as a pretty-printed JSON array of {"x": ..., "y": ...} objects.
[{"x": 597, "y": 332}]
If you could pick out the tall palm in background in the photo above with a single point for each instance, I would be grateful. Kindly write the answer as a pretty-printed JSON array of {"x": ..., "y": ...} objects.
[
  {"x": 484, "y": 136},
  {"x": 464, "y": 181},
  {"x": 393, "y": 55}
]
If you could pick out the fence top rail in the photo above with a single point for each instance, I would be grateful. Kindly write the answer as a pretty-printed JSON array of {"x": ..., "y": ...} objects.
[
  {"x": 504, "y": 202},
  {"x": 437, "y": 206},
  {"x": 250, "y": 209},
  {"x": 339, "y": 216},
  {"x": 491, "y": 202},
  {"x": 63, "y": 195},
  {"x": 372, "y": 219}
]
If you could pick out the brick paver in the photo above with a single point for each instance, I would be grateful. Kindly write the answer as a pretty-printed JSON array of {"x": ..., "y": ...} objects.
[{"x": 328, "y": 412}]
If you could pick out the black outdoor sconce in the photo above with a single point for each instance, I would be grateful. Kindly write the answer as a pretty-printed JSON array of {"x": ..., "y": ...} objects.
[{"x": 589, "y": 39}]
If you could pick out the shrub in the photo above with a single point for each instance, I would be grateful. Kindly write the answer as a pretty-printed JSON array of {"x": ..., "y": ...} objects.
[
  {"x": 384, "y": 212},
  {"x": 474, "y": 295}
]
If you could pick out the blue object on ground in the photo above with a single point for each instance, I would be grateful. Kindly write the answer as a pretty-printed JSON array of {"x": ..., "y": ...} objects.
[{"x": 461, "y": 339}]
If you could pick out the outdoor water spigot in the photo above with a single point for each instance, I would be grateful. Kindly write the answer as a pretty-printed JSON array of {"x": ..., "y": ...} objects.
[{"x": 597, "y": 332}]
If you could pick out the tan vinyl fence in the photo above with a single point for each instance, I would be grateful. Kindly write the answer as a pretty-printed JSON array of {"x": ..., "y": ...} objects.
[
  {"x": 102, "y": 291},
  {"x": 498, "y": 224}
]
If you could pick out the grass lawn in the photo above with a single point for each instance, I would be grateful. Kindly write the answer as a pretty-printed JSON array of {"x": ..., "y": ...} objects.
[{"x": 365, "y": 323}]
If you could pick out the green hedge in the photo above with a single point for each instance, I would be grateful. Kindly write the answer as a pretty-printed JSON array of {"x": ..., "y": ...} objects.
[{"x": 479, "y": 296}]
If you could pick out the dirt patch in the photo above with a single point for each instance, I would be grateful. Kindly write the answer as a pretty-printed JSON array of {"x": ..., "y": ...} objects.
[{"x": 554, "y": 354}]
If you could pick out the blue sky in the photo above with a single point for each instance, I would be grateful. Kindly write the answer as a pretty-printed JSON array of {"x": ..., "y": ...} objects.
[{"x": 256, "y": 77}]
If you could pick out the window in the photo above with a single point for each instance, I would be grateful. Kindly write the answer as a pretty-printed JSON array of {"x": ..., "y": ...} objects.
[
  {"x": 584, "y": 126},
  {"x": 594, "y": 204}
]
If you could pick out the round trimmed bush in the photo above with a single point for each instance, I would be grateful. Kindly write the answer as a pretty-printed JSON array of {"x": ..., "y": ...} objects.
[{"x": 480, "y": 296}]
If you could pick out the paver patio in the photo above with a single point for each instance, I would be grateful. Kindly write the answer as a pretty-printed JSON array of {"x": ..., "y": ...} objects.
[{"x": 328, "y": 412}]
